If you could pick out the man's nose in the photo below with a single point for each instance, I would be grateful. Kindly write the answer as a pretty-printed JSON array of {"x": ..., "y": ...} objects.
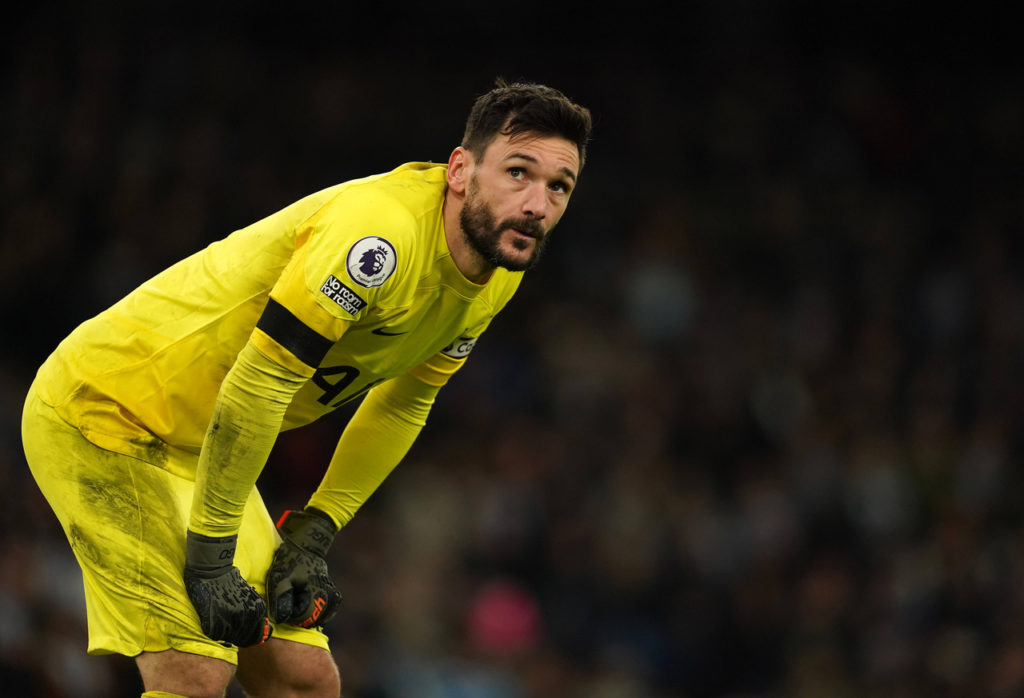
[{"x": 535, "y": 202}]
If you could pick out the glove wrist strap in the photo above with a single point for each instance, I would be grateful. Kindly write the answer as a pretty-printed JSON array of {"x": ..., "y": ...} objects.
[
  {"x": 209, "y": 557},
  {"x": 312, "y": 530}
]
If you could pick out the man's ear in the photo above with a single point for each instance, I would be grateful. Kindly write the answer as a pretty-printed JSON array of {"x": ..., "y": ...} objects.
[{"x": 460, "y": 164}]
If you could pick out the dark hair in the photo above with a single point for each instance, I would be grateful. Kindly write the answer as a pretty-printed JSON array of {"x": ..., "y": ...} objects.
[{"x": 513, "y": 108}]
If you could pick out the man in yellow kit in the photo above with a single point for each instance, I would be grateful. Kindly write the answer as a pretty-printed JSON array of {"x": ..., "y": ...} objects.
[{"x": 148, "y": 426}]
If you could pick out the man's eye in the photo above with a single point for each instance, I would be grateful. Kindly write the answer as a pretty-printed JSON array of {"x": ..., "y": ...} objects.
[{"x": 516, "y": 172}]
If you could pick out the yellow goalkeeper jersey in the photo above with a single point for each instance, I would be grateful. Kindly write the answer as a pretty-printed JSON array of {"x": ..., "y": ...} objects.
[{"x": 349, "y": 287}]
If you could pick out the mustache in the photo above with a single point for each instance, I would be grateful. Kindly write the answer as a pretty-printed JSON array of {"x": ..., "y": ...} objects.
[{"x": 527, "y": 225}]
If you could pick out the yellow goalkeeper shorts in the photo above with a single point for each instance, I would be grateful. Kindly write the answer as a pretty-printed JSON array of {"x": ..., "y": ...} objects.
[{"x": 126, "y": 521}]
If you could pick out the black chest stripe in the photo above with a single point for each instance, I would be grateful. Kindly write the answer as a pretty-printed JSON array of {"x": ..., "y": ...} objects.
[{"x": 306, "y": 344}]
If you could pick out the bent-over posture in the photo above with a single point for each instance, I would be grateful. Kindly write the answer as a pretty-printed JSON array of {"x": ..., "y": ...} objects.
[{"x": 148, "y": 426}]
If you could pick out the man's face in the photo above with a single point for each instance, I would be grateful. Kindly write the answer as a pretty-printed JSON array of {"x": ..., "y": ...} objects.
[{"x": 516, "y": 194}]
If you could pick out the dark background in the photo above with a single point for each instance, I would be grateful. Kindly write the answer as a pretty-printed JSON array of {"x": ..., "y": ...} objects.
[{"x": 751, "y": 430}]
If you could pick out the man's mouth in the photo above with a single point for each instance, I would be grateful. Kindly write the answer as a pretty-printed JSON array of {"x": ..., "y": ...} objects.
[{"x": 529, "y": 231}]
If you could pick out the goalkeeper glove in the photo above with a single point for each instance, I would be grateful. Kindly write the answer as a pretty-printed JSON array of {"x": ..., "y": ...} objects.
[
  {"x": 229, "y": 609},
  {"x": 299, "y": 589}
]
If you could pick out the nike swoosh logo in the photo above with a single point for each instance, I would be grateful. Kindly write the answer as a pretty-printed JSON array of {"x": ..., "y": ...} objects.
[{"x": 384, "y": 333}]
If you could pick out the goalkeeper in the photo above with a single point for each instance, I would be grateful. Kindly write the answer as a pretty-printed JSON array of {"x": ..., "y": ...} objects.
[{"x": 147, "y": 427}]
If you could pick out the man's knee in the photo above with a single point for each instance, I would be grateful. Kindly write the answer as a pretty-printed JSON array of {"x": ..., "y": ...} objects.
[{"x": 283, "y": 668}]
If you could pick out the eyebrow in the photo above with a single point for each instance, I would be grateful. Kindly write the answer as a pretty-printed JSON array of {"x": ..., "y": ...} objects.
[{"x": 529, "y": 158}]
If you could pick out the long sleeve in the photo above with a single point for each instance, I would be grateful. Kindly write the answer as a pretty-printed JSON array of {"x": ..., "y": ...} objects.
[
  {"x": 378, "y": 436},
  {"x": 246, "y": 420}
]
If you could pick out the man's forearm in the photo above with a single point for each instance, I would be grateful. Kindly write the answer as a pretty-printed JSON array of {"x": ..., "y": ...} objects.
[
  {"x": 246, "y": 421},
  {"x": 379, "y": 435}
]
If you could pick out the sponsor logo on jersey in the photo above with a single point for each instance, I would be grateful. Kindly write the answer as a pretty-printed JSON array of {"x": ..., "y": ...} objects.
[
  {"x": 371, "y": 261},
  {"x": 460, "y": 348},
  {"x": 342, "y": 295}
]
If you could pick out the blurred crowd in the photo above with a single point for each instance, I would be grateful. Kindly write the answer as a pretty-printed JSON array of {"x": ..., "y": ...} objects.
[{"x": 751, "y": 430}]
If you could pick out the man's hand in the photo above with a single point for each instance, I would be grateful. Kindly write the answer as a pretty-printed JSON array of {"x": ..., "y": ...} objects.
[
  {"x": 229, "y": 609},
  {"x": 298, "y": 586}
]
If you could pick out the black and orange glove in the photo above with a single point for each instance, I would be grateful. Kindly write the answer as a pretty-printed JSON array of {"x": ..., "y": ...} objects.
[
  {"x": 229, "y": 609},
  {"x": 299, "y": 589}
]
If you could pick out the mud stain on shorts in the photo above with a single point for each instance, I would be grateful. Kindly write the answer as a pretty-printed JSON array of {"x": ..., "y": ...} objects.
[
  {"x": 112, "y": 500},
  {"x": 83, "y": 546}
]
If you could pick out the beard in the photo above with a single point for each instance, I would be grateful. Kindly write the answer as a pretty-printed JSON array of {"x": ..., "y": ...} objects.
[{"x": 484, "y": 234}]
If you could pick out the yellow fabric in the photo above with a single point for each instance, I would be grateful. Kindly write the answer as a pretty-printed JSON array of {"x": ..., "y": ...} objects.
[
  {"x": 161, "y": 694},
  {"x": 143, "y": 377},
  {"x": 273, "y": 350},
  {"x": 126, "y": 523},
  {"x": 380, "y": 433},
  {"x": 246, "y": 420}
]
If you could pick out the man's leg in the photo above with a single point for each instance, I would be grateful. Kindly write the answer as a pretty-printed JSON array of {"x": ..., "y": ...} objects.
[
  {"x": 183, "y": 674},
  {"x": 283, "y": 669},
  {"x": 126, "y": 521}
]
